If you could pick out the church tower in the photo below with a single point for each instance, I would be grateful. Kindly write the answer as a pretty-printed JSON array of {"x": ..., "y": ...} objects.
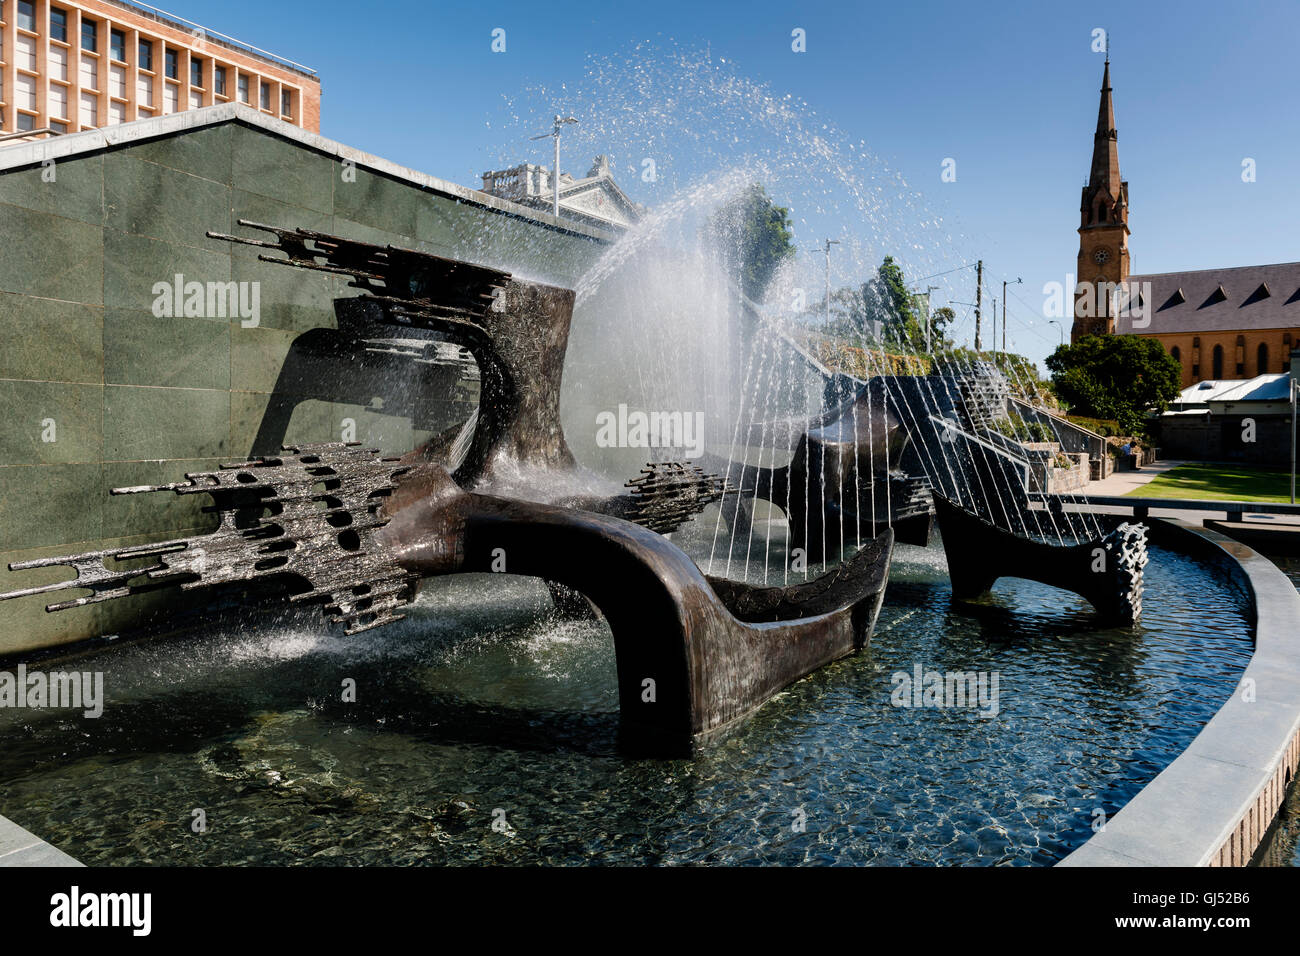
[{"x": 1103, "y": 226}]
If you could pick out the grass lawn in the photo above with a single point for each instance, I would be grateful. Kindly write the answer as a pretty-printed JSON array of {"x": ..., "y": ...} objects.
[{"x": 1219, "y": 481}]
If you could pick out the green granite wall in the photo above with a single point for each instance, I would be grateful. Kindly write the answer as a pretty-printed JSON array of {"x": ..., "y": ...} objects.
[{"x": 129, "y": 398}]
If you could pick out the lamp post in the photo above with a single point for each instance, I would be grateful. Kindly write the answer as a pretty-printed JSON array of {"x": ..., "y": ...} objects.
[
  {"x": 1295, "y": 397},
  {"x": 829, "y": 243},
  {"x": 560, "y": 122},
  {"x": 1059, "y": 327},
  {"x": 928, "y": 311}
]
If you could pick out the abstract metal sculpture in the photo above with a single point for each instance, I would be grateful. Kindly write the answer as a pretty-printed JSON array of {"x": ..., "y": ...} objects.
[
  {"x": 1106, "y": 571},
  {"x": 356, "y": 531}
]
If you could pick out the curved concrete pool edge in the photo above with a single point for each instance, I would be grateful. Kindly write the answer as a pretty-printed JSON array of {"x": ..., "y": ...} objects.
[
  {"x": 1214, "y": 804},
  {"x": 18, "y": 847}
]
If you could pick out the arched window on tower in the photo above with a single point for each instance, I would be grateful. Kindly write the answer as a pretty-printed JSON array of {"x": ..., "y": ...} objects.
[
  {"x": 1217, "y": 367},
  {"x": 1101, "y": 213},
  {"x": 1177, "y": 355},
  {"x": 1261, "y": 359}
]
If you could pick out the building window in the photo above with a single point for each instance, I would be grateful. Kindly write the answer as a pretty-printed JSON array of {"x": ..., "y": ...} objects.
[
  {"x": 1176, "y": 355},
  {"x": 286, "y": 103},
  {"x": 1196, "y": 373},
  {"x": 1261, "y": 359},
  {"x": 89, "y": 35},
  {"x": 146, "y": 56},
  {"x": 1217, "y": 367},
  {"x": 26, "y": 122},
  {"x": 196, "y": 71},
  {"x": 171, "y": 64},
  {"x": 58, "y": 25},
  {"x": 26, "y": 15},
  {"x": 219, "y": 80},
  {"x": 117, "y": 45},
  {"x": 242, "y": 83},
  {"x": 58, "y": 127},
  {"x": 266, "y": 96}
]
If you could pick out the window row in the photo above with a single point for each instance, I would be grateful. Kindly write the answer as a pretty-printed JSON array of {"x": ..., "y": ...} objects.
[
  {"x": 145, "y": 61},
  {"x": 1217, "y": 361}
]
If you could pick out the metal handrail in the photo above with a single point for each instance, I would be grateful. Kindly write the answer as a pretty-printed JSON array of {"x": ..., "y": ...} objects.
[{"x": 23, "y": 133}]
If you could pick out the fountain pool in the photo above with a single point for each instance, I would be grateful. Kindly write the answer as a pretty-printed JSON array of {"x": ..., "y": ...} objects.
[{"x": 484, "y": 708}]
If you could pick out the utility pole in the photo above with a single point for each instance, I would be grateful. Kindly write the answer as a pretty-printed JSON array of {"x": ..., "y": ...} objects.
[
  {"x": 1004, "y": 311},
  {"x": 829, "y": 243},
  {"x": 993, "y": 303},
  {"x": 929, "y": 347},
  {"x": 979, "y": 292},
  {"x": 560, "y": 122}
]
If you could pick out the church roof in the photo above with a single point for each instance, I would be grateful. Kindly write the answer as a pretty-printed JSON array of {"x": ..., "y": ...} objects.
[{"x": 1218, "y": 300}]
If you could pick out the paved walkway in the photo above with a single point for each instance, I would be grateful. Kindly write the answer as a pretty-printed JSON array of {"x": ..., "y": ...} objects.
[
  {"x": 1122, "y": 482},
  {"x": 20, "y": 848}
]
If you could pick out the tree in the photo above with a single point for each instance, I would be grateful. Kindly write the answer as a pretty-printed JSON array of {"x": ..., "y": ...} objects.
[
  {"x": 941, "y": 320},
  {"x": 889, "y": 303},
  {"x": 754, "y": 236},
  {"x": 1115, "y": 376}
]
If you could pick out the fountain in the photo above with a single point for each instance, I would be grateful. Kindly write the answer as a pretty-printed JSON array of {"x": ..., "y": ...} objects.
[
  {"x": 683, "y": 596},
  {"x": 503, "y": 492},
  {"x": 356, "y": 531}
]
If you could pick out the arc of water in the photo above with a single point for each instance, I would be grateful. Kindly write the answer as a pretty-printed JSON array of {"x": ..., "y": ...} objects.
[
  {"x": 731, "y": 463},
  {"x": 765, "y": 422}
]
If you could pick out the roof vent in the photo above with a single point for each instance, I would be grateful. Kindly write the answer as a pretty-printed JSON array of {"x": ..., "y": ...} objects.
[
  {"x": 1259, "y": 295},
  {"x": 1176, "y": 299},
  {"x": 1218, "y": 295}
]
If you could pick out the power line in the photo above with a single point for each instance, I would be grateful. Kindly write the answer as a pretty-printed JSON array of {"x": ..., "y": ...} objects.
[{"x": 968, "y": 265}]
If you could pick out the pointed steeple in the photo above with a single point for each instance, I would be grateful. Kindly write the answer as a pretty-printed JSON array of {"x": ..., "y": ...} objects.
[
  {"x": 1103, "y": 222},
  {"x": 1105, "y": 144}
]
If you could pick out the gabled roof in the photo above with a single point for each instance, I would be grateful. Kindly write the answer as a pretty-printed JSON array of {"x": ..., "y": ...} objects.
[
  {"x": 1273, "y": 387},
  {"x": 594, "y": 184},
  {"x": 1215, "y": 300},
  {"x": 1262, "y": 388}
]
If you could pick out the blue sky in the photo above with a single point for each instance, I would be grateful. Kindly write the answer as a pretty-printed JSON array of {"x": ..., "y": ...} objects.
[{"x": 1008, "y": 90}]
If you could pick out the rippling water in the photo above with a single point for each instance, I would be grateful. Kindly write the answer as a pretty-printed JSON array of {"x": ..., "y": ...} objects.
[{"x": 483, "y": 708}]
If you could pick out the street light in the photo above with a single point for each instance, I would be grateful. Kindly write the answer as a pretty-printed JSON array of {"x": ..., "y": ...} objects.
[
  {"x": 829, "y": 243},
  {"x": 1059, "y": 327},
  {"x": 928, "y": 322},
  {"x": 1295, "y": 398},
  {"x": 560, "y": 121}
]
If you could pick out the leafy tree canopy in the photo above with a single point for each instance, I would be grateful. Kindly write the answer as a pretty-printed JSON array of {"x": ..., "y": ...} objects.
[
  {"x": 755, "y": 236},
  {"x": 1120, "y": 377},
  {"x": 884, "y": 306}
]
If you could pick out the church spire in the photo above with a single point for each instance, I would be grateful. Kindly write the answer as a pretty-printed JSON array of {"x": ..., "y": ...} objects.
[
  {"x": 1105, "y": 144},
  {"x": 1103, "y": 222}
]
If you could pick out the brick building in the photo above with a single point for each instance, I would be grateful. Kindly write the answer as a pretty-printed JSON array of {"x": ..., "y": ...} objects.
[
  {"x": 81, "y": 64},
  {"x": 1230, "y": 323}
]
